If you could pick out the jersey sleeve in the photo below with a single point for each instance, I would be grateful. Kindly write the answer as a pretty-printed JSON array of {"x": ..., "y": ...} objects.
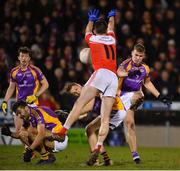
[
  {"x": 125, "y": 63},
  {"x": 111, "y": 33},
  {"x": 88, "y": 36},
  {"x": 12, "y": 75},
  {"x": 39, "y": 73}
]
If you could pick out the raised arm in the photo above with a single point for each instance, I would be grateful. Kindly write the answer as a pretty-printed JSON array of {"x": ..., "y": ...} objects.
[
  {"x": 93, "y": 16},
  {"x": 111, "y": 22}
]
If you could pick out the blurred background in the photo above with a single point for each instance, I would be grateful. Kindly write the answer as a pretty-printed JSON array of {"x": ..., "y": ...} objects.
[{"x": 54, "y": 31}]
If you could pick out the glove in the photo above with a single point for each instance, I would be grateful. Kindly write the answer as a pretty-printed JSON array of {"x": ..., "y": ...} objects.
[
  {"x": 132, "y": 74},
  {"x": 27, "y": 155},
  {"x": 165, "y": 99},
  {"x": 31, "y": 99},
  {"x": 112, "y": 13},
  {"x": 93, "y": 15},
  {"x": 4, "y": 107},
  {"x": 5, "y": 130}
]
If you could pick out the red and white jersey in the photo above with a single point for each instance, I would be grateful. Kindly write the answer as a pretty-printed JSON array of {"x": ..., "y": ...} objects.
[{"x": 103, "y": 50}]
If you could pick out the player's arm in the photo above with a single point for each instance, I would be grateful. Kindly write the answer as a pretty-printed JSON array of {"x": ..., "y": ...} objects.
[
  {"x": 111, "y": 22},
  {"x": 93, "y": 16},
  {"x": 121, "y": 72},
  {"x": 44, "y": 87},
  {"x": 89, "y": 27},
  {"x": 9, "y": 93},
  {"x": 5, "y": 130},
  {"x": 40, "y": 136},
  {"x": 150, "y": 86}
]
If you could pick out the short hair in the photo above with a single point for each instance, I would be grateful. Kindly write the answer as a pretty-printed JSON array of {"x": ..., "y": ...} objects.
[
  {"x": 24, "y": 49},
  {"x": 100, "y": 26},
  {"x": 18, "y": 104},
  {"x": 140, "y": 48},
  {"x": 68, "y": 87}
]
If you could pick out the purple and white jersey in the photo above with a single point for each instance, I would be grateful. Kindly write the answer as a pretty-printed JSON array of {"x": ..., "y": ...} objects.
[
  {"x": 27, "y": 82},
  {"x": 133, "y": 84}
]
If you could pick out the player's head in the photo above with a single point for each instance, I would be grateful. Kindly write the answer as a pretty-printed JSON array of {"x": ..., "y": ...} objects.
[
  {"x": 138, "y": 53},
  {"x": 100, "y": 27},
  {"x": 24, "y": 55},
  {"x": 73, "y": 88},
  {"x": 21, "y": 109}
]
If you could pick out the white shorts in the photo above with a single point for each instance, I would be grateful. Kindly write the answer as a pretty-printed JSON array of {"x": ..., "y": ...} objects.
[
  {"x": 126, "y": 99},
  {"x": 104, "y": 80},
  {"x": 117, "y": 119},
  {"x": 59, "y": 146}
]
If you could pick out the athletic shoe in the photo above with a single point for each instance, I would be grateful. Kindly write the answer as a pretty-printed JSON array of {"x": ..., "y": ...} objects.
[
  {"x": 136, "y": 157},
  {"x": 93, "y": 158},
  {"x": 50, "y": 160}
]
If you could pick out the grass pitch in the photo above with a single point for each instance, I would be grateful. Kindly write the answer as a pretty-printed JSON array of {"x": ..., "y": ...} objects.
[{"x": 74, "y": 157}]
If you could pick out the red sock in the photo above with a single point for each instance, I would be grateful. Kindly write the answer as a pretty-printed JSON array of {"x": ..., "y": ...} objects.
[
  {"x": 98, "y": 147},
  {"x": 63, "y": 131}
]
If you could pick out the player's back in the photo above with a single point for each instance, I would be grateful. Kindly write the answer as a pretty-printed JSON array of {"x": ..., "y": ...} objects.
[{"x": 103, "y": 51}]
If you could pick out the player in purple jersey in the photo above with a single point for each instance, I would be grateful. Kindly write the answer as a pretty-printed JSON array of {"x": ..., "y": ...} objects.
[
  {"x": 39, "y": 123},
  {"x": 27, "y": 80},
  {"x": 133, "y": 75}
]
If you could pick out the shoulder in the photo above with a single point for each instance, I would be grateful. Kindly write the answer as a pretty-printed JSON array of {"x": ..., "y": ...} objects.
[
  {"x": 14, "y": 71},
  {"x": 146, "y": 67},
  {"x": 35, "y": 68}
]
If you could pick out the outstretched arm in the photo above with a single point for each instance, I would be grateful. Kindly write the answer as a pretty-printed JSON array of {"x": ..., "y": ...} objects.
[
  {"x": 150, "y": 86},
  {"x": 93, "y": 16},
  {"x": 111, "y": 22},
  {"x": 89, "y": 27}
]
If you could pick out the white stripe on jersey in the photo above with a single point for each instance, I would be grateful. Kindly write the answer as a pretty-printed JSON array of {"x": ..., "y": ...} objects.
[{"x": 108, "y": 40}]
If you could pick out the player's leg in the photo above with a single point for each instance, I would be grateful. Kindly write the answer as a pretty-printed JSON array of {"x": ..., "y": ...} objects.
[
  {"x": 106, "y": 106},
  {"x": 46, "y": 156},
  {"x": 87, "y": 94},
  {"x": 131, "y": 134},
  {"x": 91, "y": 131}
]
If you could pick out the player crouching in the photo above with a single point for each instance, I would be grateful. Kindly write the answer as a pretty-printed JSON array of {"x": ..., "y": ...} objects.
[{"x": 39, "y": 124}]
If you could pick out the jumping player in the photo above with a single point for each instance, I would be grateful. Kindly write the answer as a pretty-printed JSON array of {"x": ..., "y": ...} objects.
[{"x": 104, "y": 80}]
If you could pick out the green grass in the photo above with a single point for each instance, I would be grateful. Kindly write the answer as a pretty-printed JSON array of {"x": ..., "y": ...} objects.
[{"x": 75, "y": 156}]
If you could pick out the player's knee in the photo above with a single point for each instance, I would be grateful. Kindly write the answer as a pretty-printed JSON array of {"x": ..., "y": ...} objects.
[
  {"x": 89, "y": 130},
  {"x": 129, "y": 123},
  {"x": 59, "y": 146}
]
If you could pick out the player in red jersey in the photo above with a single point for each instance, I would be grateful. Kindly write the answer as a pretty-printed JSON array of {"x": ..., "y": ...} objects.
[{"x": 102, "y": 44}]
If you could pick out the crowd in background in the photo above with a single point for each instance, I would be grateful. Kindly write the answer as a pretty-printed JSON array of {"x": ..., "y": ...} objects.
[{"x": 54, "y": 31}]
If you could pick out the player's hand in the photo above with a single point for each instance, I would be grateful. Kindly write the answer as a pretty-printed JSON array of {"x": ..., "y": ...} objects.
[
  {"x": 4, "y": 107},
  {"x": 93, "y": 15},
  {"x": 31, "y": 99},
  {"x": 132, "y": 74},
  {"x": 27, "y": 155},
  {"x": 5, "y": 130},
  {"x": 112, "y": 13},
  {"x": 165, "y": 99}
]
